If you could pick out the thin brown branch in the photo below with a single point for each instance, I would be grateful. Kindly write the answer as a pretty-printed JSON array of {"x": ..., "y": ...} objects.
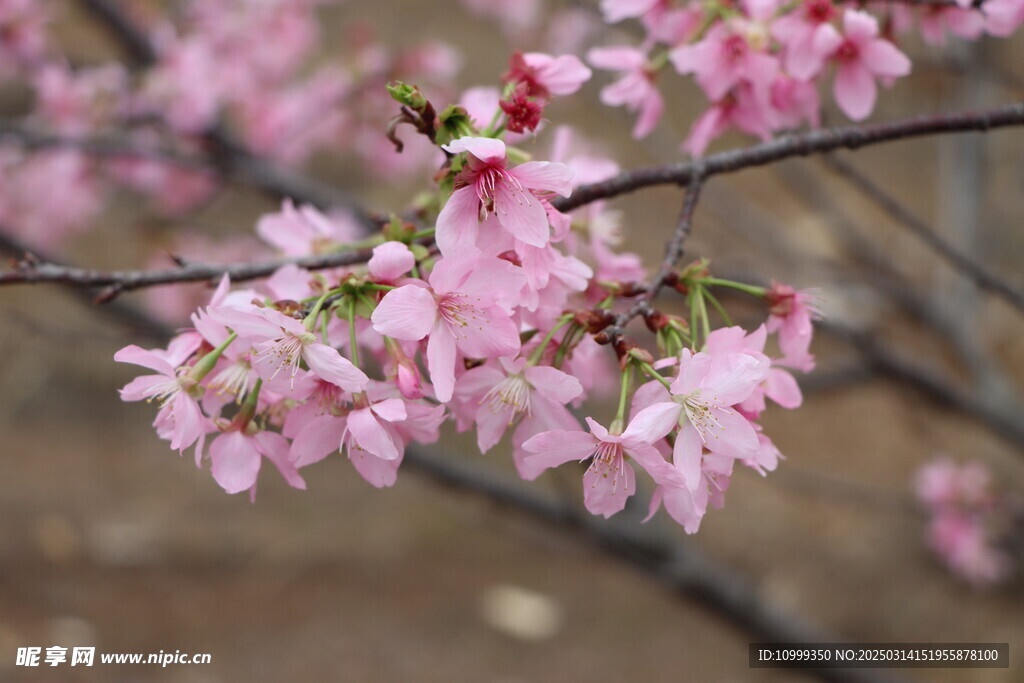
[
  {"x": 798, "y": 144},
  {"x": 981, "y": 275},
  {"x": 31, "y": 270},
  {"x": 673, "y": 254}
]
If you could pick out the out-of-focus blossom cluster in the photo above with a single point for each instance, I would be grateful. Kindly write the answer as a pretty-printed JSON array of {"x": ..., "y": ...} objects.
[
  {"x": 491, "y": 319},
  {"x": 970, "y": 524},
  {"x": 259, "y": 70},
  {"x": 761, "y": 63}
]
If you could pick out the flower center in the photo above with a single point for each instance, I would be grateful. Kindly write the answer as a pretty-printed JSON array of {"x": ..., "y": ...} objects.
[
  {"x": 511, "y": 393},
  {"x": 819, "y": 11},
  {"x": 233, "y": 380},
  {"x": 848, "y": 51},
  {"x": 284, "y": 352},
  {"x": 702, "y": 412},
  {"x": 608, "y": 462},
  {"x": 735, "y": 48},
  {"x": 459, "y": 312}
]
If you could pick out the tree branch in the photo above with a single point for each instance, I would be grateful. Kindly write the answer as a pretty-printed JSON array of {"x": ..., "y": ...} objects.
[
  {"x": 676, "y": 563},
  {"x": 798, "y": 144},
  {"x": 31, "y": 271},
  {"x": 673, "y": 254},
  {"x": 909, "y": 220}
]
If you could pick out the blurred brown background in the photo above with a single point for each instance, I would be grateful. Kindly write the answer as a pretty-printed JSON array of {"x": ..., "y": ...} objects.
[{"x": 109, "y": 539}]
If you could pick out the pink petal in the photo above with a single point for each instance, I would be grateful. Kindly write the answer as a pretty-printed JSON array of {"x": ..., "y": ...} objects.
[
  {"x": 275, "y": 447},
  {"x": 648, "y": 457},
  {"x": 554, "y": 383},
  {"x": 147, "y": 359},
  {"x": 855, "y": 91},
  {"x": 390, "y": 261},
  {"x": 859, "y": 26},
  {"x": 826, "y": 40},
  {"x": 458, "y": 223},
  {"x": 605, "y": 493},
  {"x": 734, "y": 437},
  {"x": 377, "y": 471},
  {"x": 782, "y": 388},
  {"x": 371, "y": 436},
  {"x": 522, "y": 214},
  {"x": 653, "y": 423},
  {"x": 235, "y": 462},
  {"x": 319, "y": 438},
  {"x": 686, "y": 455},
  {"x": 189, "y": 421},
  {"x": 327, "y": 364},
  {"x": 545, "y": 175},
  {"x": 884, "y": 59},
  {"x": 441, "y": 361},
  {"x": 406, "y": 313},
  {"x": 245, "y": 323},
  {"x": 391, "y": 409},
  {"x": 487, "y": 333},
  {"x": 142, "y": 387},
  {"x": 484, "y": 149},
  {"x": 554, "y": 448}
]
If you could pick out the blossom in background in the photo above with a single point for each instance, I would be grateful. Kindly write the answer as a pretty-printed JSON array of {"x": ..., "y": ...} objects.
[
  {"x": 635, "y": 90},
  {"x": 861, "y": 56},
  {"x": 968, "y": 521}
]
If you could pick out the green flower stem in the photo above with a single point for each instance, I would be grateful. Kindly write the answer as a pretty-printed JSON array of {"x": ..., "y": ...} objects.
[
  {"x": 310, "y": 321},
  {"x": 718, "y": 306},
  {"x": 654, "y": 374},
  {"x": 352, "y": 331},
  {"x": 620, "y": 414},
  {"x": 752, "y": 290},
  {"x": 205, "y": 364},
  {"x": 248, "y": 409},
  {"x": 539, "y": 351},
  {"x": 429, "y": 232}
]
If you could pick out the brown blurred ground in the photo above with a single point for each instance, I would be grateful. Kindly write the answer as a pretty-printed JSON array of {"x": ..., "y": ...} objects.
[{"x": 110, "y": 540}]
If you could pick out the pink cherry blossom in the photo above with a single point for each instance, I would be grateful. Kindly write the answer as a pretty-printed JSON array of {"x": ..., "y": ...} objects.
[
  {"x": 635, "y": 90},
  {"x": 488, "y": 186},
  {"x": 1003, "y": 17},
  {"x": 303, "y": 230},
  {"x": 281, "y": 342},
  {"x": 609, "y": 480},
  {"x": 180, "y": 418},
  {"x": 861, "y": 57},
  {"x": 792, "y": 316},
  {"x": 500, "y": 395},
  {"x": 545, "y": 75},
  {"x": 724, "y": 59},
  {"x": 459, "y": 311},
  {"x": 797, "y": 30},
  {"x": 936, "y": 21}
]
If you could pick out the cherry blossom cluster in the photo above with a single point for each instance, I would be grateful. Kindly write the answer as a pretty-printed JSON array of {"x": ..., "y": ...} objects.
[
  {"x": 761, "y": 63},
  {"x": 970, "y": 524},
  {"x": 491, "y": 319},
  {"x": 281, "y": 100}
]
